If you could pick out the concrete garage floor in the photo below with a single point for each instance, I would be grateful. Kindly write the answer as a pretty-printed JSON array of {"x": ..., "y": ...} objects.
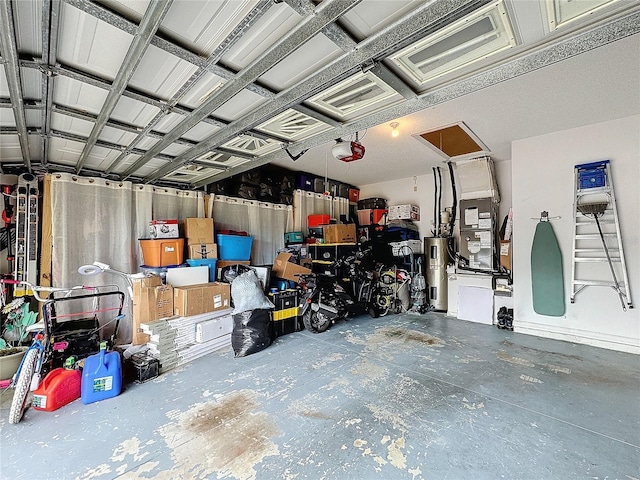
[{"x": 399, "y": 397}]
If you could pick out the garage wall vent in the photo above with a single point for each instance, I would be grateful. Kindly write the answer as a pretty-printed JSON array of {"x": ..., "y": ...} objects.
[
  {"x": 252, "y": 145},
  {"x": 477, "y": 36},
  {"x": 192, "y": 173},
  {"x": 561, "y": 12},
  {"x": 293, "y": 125},
  {"x": 356, "y": 96},
  {"x": 452, "y": 141}
]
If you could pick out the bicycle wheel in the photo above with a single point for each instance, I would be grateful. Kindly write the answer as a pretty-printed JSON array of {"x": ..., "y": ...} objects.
[{"x": 23, "y": 384}]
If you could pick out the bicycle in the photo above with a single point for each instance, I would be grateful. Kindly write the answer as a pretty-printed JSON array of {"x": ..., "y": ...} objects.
[{"x": 55, "y": 341}]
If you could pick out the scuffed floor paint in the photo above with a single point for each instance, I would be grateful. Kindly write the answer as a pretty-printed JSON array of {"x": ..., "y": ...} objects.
[
  {"x": 226, "y": 437},
  {"x": 504, "y": 356},
  {"x": 390, "y": 398}
]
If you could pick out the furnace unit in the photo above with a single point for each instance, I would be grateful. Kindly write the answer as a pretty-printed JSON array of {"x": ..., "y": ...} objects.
[{"x": 477, "y": 233}]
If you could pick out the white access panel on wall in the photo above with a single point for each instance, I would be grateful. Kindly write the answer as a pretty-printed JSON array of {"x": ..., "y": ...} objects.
[
  {"x": 457, "y": 279},
  {"x": 475, "y": 304}
]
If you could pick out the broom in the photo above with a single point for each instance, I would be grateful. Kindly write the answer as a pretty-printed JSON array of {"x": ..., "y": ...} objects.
[{"x": 596, "y": 210}]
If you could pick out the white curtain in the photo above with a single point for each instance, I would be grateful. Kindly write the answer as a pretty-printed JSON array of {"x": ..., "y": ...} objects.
[
  {"x": 309, "y": 203},
  {"x": 266, "y": 222},
  {"x": 100, "y": 220}
]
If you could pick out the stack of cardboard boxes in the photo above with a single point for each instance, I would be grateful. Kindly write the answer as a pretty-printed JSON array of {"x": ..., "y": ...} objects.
[
  {"x": 192, "y": 300},
  {"x": 198, "y": 233},
  {"x": 152, "y": 300}
]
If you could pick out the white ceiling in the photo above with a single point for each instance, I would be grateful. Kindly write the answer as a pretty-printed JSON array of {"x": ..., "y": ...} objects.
[
  {"x": 192, "y": 91},
  {"x": 600, "y": 85}
]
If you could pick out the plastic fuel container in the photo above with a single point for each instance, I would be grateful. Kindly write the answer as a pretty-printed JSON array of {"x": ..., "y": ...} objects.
[
  {"x": 101, "y": 376},
  {"x": 58, "y": 388}
]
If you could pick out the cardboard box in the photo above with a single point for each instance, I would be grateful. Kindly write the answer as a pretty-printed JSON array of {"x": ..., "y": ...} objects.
[
  {"x": 505, "y": 254},
  {"x": 198, "y": 230},
  {"x": 149, "y": 303},
  {"x": 139, "y": 283},
  {"x": 198, "y": 251},
  {"x": 283, "y": 268},
  {"x": 339, "y": 233},
  {"x": 203, "y": 298},
  {"x": 163, "y": 229}
]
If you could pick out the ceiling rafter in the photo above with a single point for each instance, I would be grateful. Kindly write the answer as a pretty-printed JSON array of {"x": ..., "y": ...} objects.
[
  {"x": 313, "y": 113},
  {"x": 12, "y": 72},
  {"x": 347, "y": 43},
  {"x": 107, "y": 16},
  {"x": 332, "y": 31},
  {"x": 274, "y": 115},
  {"x": 528, "y": 62},
  {"x": 90, "y": 117},
  {"x": 327, "y": 12},
  {"x": 27, "y": 104},
  {"x": 150, "y": 22},
  {"x": 59, "y": 167},
  {"x": 50, "y": 21},
  {"x": 381, "y": 71},
  {"x": 104, "y": 144},
  {"x": 69, "y": 72},
  {"x": 116, "y": 146},
  {"x": 14, "y": 131},
  {"x": 95, "y": 81},
  {"x": 82, "y": 115},
  {"x": 397, "y": 35},
  {"x": 227, "y": 43}
]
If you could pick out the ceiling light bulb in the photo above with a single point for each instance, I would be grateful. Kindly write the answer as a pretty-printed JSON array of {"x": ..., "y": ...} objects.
[{"x": 394, "y": 129}]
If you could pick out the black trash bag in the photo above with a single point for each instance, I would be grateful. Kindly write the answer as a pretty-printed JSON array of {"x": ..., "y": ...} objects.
[{"x": 251, "y": 332}]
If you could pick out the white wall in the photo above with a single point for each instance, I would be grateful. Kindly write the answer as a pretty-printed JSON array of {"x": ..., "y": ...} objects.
[
  {"x": 542, "y": 179},
  {"x": 419, "y": 191},
  {"x": 415, "y": 191}
]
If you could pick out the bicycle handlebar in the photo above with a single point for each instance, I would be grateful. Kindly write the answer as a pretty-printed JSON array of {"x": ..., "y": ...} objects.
[{"x": 38, "y": 288}]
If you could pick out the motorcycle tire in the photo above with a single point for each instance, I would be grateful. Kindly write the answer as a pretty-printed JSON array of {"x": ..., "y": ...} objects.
[
  {"x": 373, "y": 311},
  {"x": 314, "y": 323}
]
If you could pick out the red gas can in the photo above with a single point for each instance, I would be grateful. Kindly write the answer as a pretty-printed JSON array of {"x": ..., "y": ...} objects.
[{"x": 58, "y": 388}]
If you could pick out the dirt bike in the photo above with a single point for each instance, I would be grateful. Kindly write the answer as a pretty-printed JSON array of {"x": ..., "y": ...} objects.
[{"x": 325, "y": 298}]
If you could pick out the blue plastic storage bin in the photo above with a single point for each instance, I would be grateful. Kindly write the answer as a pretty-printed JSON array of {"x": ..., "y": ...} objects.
[
  {"x": 234, "y": 247},
  {"x": 209, "y": 262},
  {"x": 592, "y": 178}
]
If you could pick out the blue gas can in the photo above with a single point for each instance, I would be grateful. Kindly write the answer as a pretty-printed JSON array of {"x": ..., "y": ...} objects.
[{"x": 101, "y": 376}]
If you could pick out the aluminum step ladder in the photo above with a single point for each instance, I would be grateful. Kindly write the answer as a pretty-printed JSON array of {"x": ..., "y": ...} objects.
[{"x": 597, "y": 243}]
